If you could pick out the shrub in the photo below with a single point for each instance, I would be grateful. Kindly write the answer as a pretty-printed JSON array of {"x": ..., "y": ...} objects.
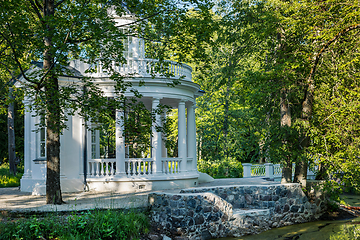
[
  {"x": 226, "y": 168},
  {"x": 7, "y": 179},
  {"x": 110, "y": 224}
]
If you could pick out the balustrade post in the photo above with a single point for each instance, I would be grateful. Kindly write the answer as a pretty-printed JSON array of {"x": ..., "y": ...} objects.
[
  {"x": 247, "y": 170},
  {"x": 269, "y": 170}
]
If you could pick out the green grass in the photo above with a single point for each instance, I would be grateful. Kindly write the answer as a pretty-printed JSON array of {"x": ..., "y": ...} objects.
[
  {"x": 109, "y": 224},
  {"x": 7, "y": 179}
]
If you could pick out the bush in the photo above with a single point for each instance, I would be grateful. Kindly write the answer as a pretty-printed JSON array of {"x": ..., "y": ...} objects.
[
  {"x": 108, "y": 224},
  {"x": 7, "y": 179},
  {"x": 227, "y": 168}
]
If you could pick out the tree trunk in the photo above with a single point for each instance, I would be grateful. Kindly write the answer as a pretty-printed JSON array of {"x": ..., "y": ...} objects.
[
  {"x": 306, "y": 113},
  {"x": 11, "y": 133},
  {"x": 53, "y": 111},
  {"x": 301, "y": 172},
  {"x": 285, "y": 121}
]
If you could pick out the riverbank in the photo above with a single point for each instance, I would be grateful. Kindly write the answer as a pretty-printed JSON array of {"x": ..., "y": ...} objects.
[{"x": 15, "y": 205}]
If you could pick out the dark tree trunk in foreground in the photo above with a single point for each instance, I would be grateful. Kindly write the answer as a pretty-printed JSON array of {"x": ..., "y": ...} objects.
[
  {"x": 307, "y": 106},
  {"x": 53, "y": 111},
  {"x": 285, "y": 121},
  {"x": 11, "y": 133}
]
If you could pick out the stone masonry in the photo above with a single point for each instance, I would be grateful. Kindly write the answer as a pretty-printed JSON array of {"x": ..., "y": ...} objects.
[{"x": 232, "y": 211}]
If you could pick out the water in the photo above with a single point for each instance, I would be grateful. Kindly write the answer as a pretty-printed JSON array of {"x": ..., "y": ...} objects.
[{"x": 320, "y": 230}]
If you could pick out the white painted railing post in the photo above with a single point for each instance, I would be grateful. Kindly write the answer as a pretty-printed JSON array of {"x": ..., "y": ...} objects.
[
  {"x": 247, "y": 170},
  {"x": 269, "y": 170}
]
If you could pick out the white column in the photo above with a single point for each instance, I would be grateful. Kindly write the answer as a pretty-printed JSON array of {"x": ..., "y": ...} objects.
[
  {"x": 182, "y": 152},
  {"x": 27, "y": 140},
  {"x": 156, "y": 141},
  {"x": 97, "y": 143},
  {"x": 191, "y": 135},
  {"x": 163, "y": 147},
  {"x": 120, "y": 144}
]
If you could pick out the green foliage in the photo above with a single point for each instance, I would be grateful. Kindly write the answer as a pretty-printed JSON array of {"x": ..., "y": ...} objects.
[
  {"x": 226, "y": 168},
  {"x": 7, "y": 179},
  {"x": 350, "y": 231},
  {"x": 267, "y": 51},
  {"x": 86, "y": 225}
]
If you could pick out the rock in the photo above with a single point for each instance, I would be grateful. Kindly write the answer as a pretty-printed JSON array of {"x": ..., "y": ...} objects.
[
  {"x": 205, "y": 235},
  {"x": 166, "y": 238},
  {"x": 154, "y": 237}
]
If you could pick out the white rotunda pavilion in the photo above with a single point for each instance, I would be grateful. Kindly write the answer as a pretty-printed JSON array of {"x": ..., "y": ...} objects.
[{"x": 118, "y": 172}]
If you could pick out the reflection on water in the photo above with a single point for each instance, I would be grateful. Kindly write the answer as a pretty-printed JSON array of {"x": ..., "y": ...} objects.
[{"x": 321, "y": 230}]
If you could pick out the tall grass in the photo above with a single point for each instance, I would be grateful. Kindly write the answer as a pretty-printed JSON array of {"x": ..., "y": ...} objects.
[
  {"x": 7, "y": 179},
  {"x": 109, "y": 224}
]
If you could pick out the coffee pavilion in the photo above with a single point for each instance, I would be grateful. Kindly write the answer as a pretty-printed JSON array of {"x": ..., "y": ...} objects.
[{"x": 83, "y": 163}]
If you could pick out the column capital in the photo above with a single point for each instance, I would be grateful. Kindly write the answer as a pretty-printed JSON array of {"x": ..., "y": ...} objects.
[
  {"x": 156, "y": 98},
  {"x": 191, "y": 104},
  {"x": 182, "y": 102}
]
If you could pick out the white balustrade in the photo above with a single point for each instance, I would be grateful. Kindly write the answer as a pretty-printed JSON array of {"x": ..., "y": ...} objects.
[
  {"x": 141, "y": 67},
  {"x": 277, "y": 170},
  {"x": 258, "y": 170},
  {"x": 171, "y": 165},
  {"x": 262, "y": 170},
  {"x": 139, "y": 166},
  {"x": 101, "y": 167}
]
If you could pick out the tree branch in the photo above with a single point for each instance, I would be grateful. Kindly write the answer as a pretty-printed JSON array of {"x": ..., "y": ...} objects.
[
  {"x": 318, "y": 56},
  {"x": 59, "y": 3},
  {"x": 38, "y": 4},
  {"x": 143, "y": 19},
  {"x": 15, "y": 57},
  {"x": 37, "y": 9}
]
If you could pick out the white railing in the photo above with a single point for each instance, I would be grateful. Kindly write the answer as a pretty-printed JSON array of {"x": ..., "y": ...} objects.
[
  {"x": 270, "y": 170},
  {"x": 277, "y": 170},
  {"x": 258, "y": 170},
  {"x": 138, "y": 67},
  {"x": 171, "y": 165},
  {"x": 101, "y": 167},
  {"x": 139, "y": 166}
]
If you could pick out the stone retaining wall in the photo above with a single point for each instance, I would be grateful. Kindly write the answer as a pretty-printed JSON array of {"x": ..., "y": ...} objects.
[{"x": 205, "y": 213}]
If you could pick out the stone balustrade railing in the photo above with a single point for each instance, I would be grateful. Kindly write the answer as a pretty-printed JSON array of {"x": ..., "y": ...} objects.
[
  {"x": 138, "y": 166},
  {"x": 98, "y": 168},
  {"x": 101, "y": 167},
  {"x": 269, "y": 170},
  {"x": 138, "y": 68},
  {"x": 171, "y": 165}
]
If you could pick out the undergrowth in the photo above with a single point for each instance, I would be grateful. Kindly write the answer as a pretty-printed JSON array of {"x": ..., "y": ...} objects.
[
  {"x": 226, "y": 168},
  {"x": 110, "y": 224},
  {"x": 7, "y": 179}
]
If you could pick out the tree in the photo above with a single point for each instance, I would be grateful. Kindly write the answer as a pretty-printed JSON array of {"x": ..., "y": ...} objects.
[
  {"x": 290, "y": 41},
  {"x": 55, "y": 32}
]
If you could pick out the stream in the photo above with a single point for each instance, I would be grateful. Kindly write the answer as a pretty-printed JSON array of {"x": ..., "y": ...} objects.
[{"x": 320, "y": 230}]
